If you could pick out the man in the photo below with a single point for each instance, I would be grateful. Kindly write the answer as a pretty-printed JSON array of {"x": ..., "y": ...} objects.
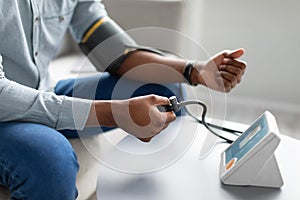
[{"x": 36, "y": 160}]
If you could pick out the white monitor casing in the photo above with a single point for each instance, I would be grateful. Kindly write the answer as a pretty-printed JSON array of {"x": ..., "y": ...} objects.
[{"x": 258, "y": 167}]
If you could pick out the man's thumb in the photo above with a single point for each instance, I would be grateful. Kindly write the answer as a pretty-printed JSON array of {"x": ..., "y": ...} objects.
[{"x": 236, "y": 53}]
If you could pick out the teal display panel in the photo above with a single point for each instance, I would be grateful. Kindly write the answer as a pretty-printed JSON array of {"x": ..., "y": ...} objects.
[{"x": 247, "y": 140}]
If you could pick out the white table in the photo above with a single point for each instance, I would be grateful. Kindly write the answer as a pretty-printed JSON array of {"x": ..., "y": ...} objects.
[{"x": 193, "y": 178}]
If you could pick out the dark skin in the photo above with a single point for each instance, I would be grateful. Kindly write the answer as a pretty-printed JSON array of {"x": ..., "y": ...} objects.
[{"x": 140, "y": 116}]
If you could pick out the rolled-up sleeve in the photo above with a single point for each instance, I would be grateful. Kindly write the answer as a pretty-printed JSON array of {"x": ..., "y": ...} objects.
[
  {"x": 86, "y": 13},
  {"x": 21, "y": 103}
]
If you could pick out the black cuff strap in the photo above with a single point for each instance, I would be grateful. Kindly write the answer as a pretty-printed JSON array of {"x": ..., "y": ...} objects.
[{"x": 107, "y": 45}]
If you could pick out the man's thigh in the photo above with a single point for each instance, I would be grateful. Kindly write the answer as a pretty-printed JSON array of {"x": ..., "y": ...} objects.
[{"x": 107, "y": 87}]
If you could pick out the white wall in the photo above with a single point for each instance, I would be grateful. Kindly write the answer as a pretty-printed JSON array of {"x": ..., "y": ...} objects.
[
  {"x": 146, "y": 13},
  {"x": 270, "y": 33}
]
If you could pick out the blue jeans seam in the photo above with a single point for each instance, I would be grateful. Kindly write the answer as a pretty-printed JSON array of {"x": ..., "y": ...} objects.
[{"x": 13, "y": 177}]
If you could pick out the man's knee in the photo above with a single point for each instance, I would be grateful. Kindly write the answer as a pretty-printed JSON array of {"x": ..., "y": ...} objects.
[{"x": 40, "y": 163}]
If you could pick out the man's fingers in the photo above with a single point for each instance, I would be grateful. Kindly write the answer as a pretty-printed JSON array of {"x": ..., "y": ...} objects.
[
  {"x": 223, "y": 84},
  {"x": 218, "y": 59},
  {"x": 169, "y": 116},
  {"x": 231, "y": 69},
  {"x": 235, "y": 53},
  {"x": 148, "y": 139},
  {"x": 229, "y": 78},
  {"x": 236, "y": 63},
  {"x": 145, "y": 139},
  {"x": 159, "y": 100},
  {"x": 234, "y": 67}
]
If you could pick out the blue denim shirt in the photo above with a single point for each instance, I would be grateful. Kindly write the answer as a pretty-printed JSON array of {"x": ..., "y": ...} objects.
[{"x": 31, "y": 32}]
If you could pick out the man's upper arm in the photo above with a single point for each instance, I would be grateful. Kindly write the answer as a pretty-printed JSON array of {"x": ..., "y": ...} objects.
[{"x": 86, "y": 13}]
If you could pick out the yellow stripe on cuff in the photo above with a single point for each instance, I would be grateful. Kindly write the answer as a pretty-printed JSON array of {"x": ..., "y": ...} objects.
[{"x": 93, "y": 28}]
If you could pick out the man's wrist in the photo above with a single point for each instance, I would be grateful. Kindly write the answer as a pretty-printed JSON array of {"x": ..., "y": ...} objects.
[
  {"x": 101, "y": 114},
  {"x": 191, "y": 73},
  {"x": 196, "y": 77}
]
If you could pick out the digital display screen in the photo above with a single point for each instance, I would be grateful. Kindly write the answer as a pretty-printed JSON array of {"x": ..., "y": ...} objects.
[
  {"x": 247, "y": 140},
  {"x": 250, "y": 136}
]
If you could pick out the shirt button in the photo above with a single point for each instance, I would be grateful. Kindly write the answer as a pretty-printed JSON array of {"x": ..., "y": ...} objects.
[
  {"x": 61, "y": 18},
  {"x": 37, "y": 19},
  {"x": 36, "y": 53}
]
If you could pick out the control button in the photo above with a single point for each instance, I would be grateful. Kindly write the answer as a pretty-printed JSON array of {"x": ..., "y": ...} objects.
[{"x": 231, "y": 163}]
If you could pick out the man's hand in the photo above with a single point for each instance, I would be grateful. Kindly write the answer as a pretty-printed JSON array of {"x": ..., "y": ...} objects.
[
  {"x": 140, "y": 116},
  {"x": 222, "y": 72}
]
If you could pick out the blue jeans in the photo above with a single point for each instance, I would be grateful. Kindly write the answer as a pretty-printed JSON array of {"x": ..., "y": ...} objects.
[{"x": 38, "y": 162}]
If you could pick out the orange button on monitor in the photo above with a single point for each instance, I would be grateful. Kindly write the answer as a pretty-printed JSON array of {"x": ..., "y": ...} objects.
[{"x": 230, "y": 163}]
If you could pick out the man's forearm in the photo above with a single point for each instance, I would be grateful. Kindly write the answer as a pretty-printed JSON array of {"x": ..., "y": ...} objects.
[
  {"x": 101, "y": 114},
  {"x": 149, "y": 67}
]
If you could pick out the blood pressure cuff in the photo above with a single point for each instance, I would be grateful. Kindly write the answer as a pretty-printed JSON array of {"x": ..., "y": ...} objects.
[{"x": 107, "y": 45}]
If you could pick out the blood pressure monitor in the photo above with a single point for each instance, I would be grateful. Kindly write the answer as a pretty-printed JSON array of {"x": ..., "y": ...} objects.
[{"x": 250, "y": 160}]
